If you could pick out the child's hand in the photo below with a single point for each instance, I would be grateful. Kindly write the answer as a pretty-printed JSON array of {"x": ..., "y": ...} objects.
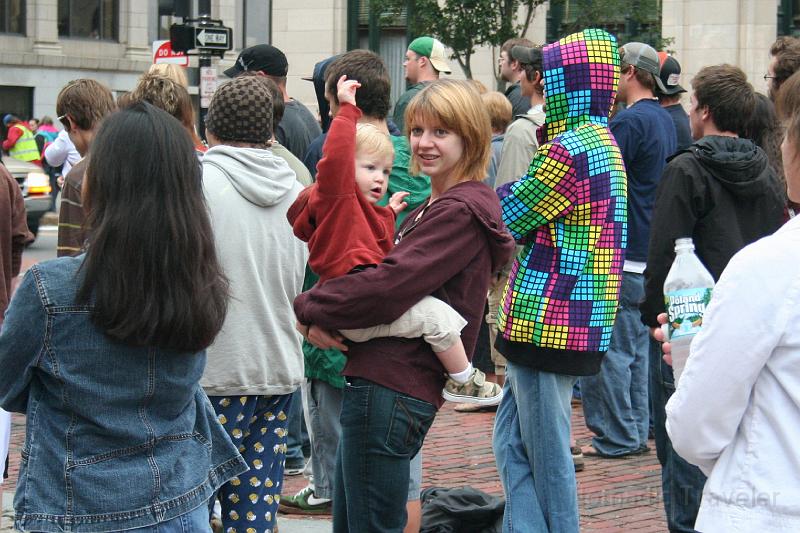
[
  {"x": 346, "y": 90},
  {"x": 397, "y": 203}
]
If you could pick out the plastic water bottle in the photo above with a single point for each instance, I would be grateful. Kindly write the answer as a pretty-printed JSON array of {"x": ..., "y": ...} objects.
[{"x": 687, "y": 292}]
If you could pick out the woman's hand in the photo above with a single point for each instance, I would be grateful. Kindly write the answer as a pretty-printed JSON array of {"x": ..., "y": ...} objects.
[
  {"x": 322, "y": 338},
  {"x": 658, "y": 334}
]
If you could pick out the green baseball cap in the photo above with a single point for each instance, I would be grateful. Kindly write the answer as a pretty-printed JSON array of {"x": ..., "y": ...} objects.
[{"x": 433, "y": 49}]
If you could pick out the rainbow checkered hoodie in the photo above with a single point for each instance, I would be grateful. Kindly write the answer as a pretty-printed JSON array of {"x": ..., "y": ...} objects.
[{"x": 570, "y": 212}]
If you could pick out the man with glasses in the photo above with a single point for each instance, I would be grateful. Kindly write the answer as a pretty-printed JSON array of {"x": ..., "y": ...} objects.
[
  {"x": 81, "y": 106},
  {"x": 512, "y": 71},
  {"x": 785, "y": 61}
]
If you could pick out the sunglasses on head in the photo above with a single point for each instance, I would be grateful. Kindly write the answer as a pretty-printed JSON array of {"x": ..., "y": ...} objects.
[{"x": 64, "y": 122}]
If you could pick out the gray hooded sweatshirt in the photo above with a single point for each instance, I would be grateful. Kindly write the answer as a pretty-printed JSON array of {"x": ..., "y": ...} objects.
[{"x": 258, "y": 351}]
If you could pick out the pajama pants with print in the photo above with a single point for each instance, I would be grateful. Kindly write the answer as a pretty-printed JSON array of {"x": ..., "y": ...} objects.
[{"x": 257, "y": 426}]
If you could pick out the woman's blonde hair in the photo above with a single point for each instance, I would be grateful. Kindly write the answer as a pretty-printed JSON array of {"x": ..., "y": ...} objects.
[
  {"x": 455, "y": 105},
  {"x": 174, "y": 72},
  {"x": 167, "y": 94},
  {"x": 371, "y": 140},
  {"x": 499, "y": 108}
]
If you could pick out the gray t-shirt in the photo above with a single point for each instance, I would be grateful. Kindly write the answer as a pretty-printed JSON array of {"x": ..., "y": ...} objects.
[{"x": 297, "y": 128}]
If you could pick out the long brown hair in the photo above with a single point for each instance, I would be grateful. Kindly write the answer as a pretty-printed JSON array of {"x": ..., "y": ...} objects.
[{"x": 151, "y": 271}]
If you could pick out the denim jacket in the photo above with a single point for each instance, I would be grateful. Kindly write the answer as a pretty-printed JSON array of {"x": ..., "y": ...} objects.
[{"x": 117, "y": 436}]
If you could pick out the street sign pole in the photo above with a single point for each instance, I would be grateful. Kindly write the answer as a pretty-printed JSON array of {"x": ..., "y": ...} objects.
[
  {"x": 208, "y": 84},
  {"x": 208, "y": 37}
]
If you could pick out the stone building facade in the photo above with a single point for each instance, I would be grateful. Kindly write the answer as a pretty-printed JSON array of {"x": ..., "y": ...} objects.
[{"x": 46, "y": 43}]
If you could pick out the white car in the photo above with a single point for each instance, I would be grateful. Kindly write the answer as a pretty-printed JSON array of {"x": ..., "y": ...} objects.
[{"x": 36, "y": 190}]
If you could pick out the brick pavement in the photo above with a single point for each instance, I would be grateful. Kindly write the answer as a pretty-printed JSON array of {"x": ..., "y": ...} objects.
[{"x": 614, "y": 494}]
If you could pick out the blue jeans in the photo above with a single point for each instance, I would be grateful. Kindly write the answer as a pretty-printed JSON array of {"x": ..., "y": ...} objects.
[
  {"x": 192, "y": 522},
  {"x": 324, "y": 409},
  {"x": 681, "y": 483},
  {"x": 298, "y": 435},
  {"x": 615, "y": 401},
  {"x": 382, "y": 430},
  {"x": 531, "y": 446}
]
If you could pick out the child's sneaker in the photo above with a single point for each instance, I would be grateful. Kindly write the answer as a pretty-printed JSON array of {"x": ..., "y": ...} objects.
[{"x": 475, "y": 390}]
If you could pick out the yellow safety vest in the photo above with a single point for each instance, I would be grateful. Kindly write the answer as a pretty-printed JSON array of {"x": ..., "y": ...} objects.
[{"x": 25, "y": 148}]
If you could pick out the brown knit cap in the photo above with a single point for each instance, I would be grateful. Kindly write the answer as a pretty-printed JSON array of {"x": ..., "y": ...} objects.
[{"x": 241, "y": 110}]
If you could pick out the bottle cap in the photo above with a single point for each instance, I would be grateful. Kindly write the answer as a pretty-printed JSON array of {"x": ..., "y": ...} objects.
[{"x": 684, "y": 243}]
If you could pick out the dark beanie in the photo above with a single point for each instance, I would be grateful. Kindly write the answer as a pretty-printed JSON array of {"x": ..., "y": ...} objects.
[{"x": 241, "y": 110}]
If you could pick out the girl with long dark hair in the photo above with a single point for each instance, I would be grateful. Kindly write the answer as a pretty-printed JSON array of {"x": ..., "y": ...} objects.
[{"x": 104, "y": 352}]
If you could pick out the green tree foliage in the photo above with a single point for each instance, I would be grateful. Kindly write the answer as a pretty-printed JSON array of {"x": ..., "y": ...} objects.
[{"x": 629, "y": 20}]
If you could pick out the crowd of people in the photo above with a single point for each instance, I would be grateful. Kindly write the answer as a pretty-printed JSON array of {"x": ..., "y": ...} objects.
[{"x": 503, "y": 251}]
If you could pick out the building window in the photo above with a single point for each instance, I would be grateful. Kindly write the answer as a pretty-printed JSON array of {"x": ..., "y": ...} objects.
[
  {"x": 12, "y": 16},
  {"x": 256, "y": 22},
  {"x": 789, "y": 17},
  {"x": 91, "y": 19}
]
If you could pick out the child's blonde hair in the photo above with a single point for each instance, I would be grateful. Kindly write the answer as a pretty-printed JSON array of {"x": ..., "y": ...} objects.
[
  {"x": 371, "y": 140},
  {"x": 500, "y": 110},
  {"x": 455, "y": 105}
]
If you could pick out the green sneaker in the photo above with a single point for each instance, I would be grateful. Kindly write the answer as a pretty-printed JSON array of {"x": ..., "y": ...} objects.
[
  {"x": 304, "y": 502},
  {"x": 476, "y": 390}
]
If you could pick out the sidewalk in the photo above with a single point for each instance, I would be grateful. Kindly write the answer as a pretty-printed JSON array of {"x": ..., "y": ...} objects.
[{"x": 614, "y": 495}]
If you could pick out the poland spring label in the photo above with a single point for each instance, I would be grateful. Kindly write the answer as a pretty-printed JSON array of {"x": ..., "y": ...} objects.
[{"x": 685, "y": 309}]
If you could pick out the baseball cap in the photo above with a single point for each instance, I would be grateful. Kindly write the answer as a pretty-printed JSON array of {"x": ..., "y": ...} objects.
[
  {"x": 645, "y": 57},
  {"x": 261, "y": 57},
  {"x": 7, "y": 119},
  {"x": 526, "y": 54},
  {"x": 433, "y": 49},
  {"x": 670, "y": 74}
]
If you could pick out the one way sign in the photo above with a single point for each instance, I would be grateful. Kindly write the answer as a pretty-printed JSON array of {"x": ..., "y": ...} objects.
[
  {"x": 212, "y": 38},
  {"x": 207, "y": 37}
]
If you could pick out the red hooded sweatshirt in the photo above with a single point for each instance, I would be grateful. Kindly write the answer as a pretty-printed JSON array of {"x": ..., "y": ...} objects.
[{"x": 343, "y": 230}]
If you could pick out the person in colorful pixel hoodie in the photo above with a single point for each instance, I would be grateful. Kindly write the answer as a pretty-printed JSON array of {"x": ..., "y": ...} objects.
[{"x": 557, "y": 314}]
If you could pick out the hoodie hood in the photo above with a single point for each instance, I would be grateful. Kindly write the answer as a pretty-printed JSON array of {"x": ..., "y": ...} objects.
[
  {"x": 318, "y": 78},
  {"x": 482, "y": 202},
  {"x": 581, "y": 74},
  {"x": 738, "y": 164},
  {"x": 259, "y": 176}
]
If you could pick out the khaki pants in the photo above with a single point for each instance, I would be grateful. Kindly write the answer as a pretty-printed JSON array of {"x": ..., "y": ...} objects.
[
  {"x": 496, "y": 291},
  {"x": 430, "y": 318}
]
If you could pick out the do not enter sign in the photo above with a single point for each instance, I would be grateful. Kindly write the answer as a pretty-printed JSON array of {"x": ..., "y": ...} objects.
[{"x": 163, "y": 53}]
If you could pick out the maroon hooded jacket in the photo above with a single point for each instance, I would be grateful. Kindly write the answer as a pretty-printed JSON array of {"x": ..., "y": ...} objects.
[
  {"x": 14, "y": 234},
  {"x": 450, "y": 252}
]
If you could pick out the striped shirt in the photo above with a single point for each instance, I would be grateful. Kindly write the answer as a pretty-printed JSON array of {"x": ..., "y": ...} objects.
[{"x": 71, "y": 234}]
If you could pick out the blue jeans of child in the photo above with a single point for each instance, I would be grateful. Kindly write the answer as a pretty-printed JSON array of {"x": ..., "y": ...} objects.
[
  {"x": 682, "y": 483},
  {"x": 382, "y": 430},
  {"x": 531, "y": 446},
  {"x": 615, "y": 401}
]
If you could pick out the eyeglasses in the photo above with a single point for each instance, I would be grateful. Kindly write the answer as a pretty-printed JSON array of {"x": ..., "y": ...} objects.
[
  {"x": 768, "y": 77},
  {"x": 64, "y": 122}
]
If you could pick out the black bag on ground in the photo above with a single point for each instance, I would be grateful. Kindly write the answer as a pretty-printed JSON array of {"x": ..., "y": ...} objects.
[{"x": 461, "y": 510}]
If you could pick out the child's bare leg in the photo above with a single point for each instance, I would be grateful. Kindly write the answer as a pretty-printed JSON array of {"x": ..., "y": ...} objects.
[{"x": 454, "y": 360}]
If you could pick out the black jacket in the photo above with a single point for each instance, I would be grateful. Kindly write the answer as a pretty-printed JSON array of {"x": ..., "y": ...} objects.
[{"x": 722, "y": 192}]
